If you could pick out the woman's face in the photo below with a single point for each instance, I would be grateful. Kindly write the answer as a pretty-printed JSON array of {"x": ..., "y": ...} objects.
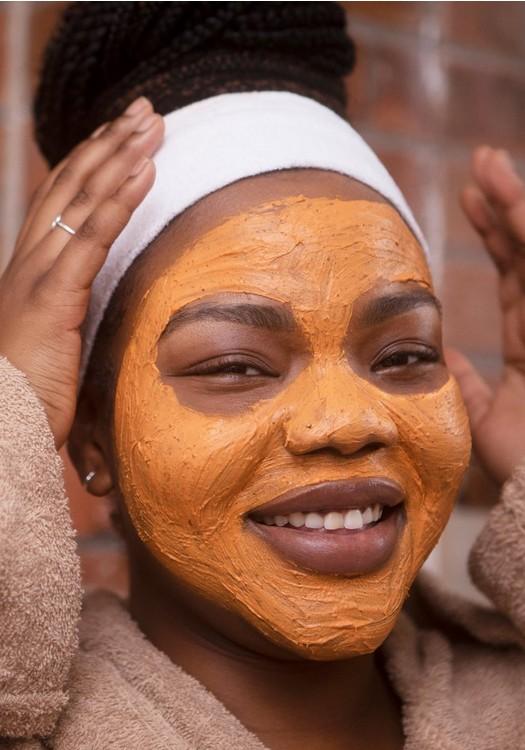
[{"x": 282, "y": 376}]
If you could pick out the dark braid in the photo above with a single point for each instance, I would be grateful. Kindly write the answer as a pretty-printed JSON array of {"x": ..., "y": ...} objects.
[{"x": 104, "y": 54}]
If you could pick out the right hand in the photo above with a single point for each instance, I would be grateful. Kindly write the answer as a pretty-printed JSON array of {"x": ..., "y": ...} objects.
[
  {"x": 44, "y": 292},
  {"x": 495, "y": 205}
]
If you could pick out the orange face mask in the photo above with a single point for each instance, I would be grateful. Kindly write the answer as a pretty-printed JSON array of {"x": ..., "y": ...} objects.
[{"x": 191, "y": 472}]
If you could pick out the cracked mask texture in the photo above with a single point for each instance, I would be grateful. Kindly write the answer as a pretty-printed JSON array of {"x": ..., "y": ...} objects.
[{"x": 189, "y": 477}]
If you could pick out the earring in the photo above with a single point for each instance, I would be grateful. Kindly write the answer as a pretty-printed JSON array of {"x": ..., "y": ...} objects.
[{"x": 87, "y": 479}]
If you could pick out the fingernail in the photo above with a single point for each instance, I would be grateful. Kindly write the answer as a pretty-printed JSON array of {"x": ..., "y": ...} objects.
[
  {"x": 146, "y": 123},
  {"x": 99, "y": 130},
  {"x": 506, "y": 159},
  {"x": 483, "y": 151},
  {"x": 139, "y": 166},
  {"x": 137, "y": 106}
]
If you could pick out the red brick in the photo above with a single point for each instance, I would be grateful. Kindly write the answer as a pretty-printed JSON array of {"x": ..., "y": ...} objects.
[
  {"x": 490, "y": 26},
  {"x": 399, "y": 99},
  {"x": 3, "y": 50},
  {"x": 471, "y": 311},
  {"x": 36, "y": 166},
  {"x": 398, "y": 15},
  {"x": 409, "y": 171},
  {"x": 358, "y": 88},
  {"x": 44, "y": 18},
  {"x": 462, "y": 241},
  {"x": 486, "y": 106}
]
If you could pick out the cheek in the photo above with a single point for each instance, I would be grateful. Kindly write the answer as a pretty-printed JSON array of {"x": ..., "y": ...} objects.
[
  {"x": 435, "y": 438},
  {"x": 180, "y": 471}
]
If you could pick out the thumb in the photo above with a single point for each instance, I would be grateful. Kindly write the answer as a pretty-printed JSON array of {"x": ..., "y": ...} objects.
[{"x": 476, "y": 393}]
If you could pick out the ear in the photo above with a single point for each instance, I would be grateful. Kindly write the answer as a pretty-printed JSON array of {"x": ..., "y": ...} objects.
[{"x": 89, "y": 445}]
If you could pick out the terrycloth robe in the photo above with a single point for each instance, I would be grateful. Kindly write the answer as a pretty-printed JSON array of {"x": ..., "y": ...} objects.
[{"x": 90, "y": 680}]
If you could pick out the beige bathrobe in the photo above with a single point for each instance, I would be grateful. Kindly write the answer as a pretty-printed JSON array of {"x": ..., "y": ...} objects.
[{"x": 108, "y": 688}]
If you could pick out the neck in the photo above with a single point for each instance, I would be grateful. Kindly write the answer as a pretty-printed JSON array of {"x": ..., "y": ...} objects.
[{"x": 287, "y": 702}]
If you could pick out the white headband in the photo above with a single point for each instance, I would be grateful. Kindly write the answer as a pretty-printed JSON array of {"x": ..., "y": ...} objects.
[{"x": 217, "y": 141}]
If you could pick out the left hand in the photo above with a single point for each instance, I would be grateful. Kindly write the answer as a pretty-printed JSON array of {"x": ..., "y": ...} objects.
[{"x": 495, "y": 206}]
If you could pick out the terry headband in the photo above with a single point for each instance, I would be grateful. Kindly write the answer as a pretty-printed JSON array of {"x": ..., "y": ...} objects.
[{"x": 217, "y": 141}]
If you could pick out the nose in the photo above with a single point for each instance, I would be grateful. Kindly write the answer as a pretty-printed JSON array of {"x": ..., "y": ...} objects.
[{"x": 335, "y": 410}]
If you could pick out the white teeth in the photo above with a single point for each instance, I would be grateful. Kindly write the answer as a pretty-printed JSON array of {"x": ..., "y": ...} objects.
[
  {"x": 351, "y": 519},
  {"x": 377, "y": 511},
  {"x": 354, "y": 519},
  {"x": 296, "y": 519},
  {"x": 314, "y": 521},
  {"x": 333, "y": 520}
]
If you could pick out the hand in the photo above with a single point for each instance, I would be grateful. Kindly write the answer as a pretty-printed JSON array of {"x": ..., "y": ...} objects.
[
  {"x": 44, "y": 292},
  {"x": 495, "y": 205}
]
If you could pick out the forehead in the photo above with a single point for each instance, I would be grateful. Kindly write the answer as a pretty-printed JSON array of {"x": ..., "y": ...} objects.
[{"x": 304, "y": 251}]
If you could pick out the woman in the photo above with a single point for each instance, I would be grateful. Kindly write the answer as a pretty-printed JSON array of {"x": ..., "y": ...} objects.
[{"x": 264, "y": 394}]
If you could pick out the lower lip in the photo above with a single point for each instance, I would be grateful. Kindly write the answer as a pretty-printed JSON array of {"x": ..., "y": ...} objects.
[{"x": 342, "y": 552}]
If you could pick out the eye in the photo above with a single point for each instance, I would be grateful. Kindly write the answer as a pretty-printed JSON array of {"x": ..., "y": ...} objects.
[
  {"x": 407, "y": 359},
  {"x": 230, "y": 368}
]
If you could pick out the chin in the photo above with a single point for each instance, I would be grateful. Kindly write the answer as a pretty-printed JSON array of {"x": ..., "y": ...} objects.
[{"x": 316, "y": 643}]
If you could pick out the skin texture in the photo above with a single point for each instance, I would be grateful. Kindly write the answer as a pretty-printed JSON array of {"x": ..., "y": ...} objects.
[{"x": 197, "y": 452}]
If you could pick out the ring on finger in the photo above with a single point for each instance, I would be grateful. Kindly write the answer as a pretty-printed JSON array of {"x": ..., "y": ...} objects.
[{"x": 57, "y": 222}]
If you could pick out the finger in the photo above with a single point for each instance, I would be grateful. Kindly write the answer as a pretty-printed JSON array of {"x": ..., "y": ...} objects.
[
  {"x": 485, "y": 222},
  {"x": 103, "y": 183},
  {"x": 476, "y": 393},
  {"x": 497, "y": 175},
  {"x": 68, "y": 180},
  {"x": 138, "y": 109},
  {"x": 504, "y": 191},
  {"x": 45, "y": 186},
  {"x": 85, "y": 253},
  {"x": 125, "y": 162},
  {"x": 477, "y": 209},
  {"x": 68, "y": 176},
  {"x": 99, "y": 130},
  {"x": 37, "y": 197},
  {"x": 479, "y": 159}
]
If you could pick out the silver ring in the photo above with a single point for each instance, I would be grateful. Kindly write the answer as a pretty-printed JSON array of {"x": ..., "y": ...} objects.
[{"x": 57, "y": 222}]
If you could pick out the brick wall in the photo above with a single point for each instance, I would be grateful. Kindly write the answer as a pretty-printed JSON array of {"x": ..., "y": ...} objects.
[{"x": 433, "y": 79}]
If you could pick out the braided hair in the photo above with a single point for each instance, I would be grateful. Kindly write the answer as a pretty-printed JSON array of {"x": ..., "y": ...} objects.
[{"x": 105, "y": 54}]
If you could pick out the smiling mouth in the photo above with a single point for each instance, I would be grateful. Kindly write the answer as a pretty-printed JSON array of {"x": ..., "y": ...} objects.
[
  {"x": 346, "y": 528},
  {"x": 353, "y": 519}
]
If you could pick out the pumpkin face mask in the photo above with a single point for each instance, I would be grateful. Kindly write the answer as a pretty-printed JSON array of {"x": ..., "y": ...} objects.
[{"x": 289, "y": 442}]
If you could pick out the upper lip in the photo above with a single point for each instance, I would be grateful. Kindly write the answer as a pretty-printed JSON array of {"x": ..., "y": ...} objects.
[{"x": 334, "y": 495}]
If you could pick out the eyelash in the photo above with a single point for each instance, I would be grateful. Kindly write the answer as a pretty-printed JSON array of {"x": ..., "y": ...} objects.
[
  {"x": 226, "y": 367},
  {"x": 423, "y": 356},
  {"x": 235, "y": 368}
]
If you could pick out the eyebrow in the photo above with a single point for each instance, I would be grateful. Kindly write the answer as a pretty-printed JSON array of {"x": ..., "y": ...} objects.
[
  {"x": 256, "y": 316},
  {"x": 390, "y": 305},
  {"x": 281, "y": 319}
]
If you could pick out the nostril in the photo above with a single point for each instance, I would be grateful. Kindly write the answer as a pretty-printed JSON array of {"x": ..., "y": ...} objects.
[
  {"x": 364, "y": 434},
  {"x": 369, "y": 448},
  {"x": 335, "y": 450},
  {"x": 375, "y": 446}
]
